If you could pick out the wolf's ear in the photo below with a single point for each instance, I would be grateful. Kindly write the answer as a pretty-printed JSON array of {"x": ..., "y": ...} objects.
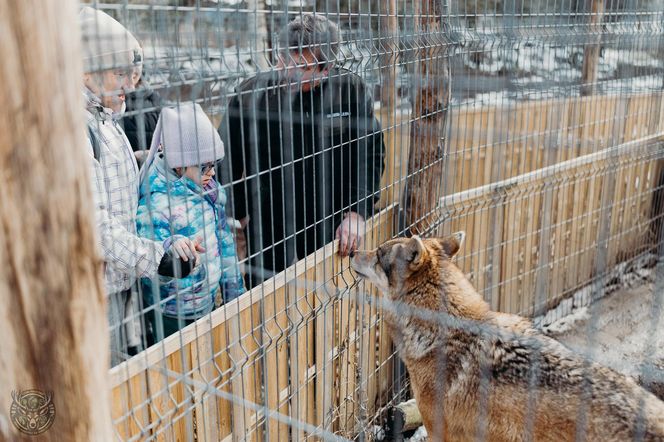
[
  {"x": 452, "y": 243},
  {"x": 414, "y": 250}
]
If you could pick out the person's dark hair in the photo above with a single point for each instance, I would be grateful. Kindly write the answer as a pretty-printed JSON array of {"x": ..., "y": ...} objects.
[{"x": 314, "y": 32}]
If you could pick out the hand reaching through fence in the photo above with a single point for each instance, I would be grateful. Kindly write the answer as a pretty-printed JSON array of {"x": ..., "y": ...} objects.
[
  {"x": 350, "y": 233},
  {"x": 241, "y": 239}
]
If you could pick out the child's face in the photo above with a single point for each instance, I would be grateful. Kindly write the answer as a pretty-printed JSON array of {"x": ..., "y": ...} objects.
[{"x": 201, "y": 175}]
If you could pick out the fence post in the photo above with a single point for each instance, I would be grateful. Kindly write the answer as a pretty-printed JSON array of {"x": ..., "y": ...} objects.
[
  {"x": 428, "y": 120},
  {"x": 258, "y": 24},
  {"x": 591, "y": 51},
  {"x": 52, "y": 309}
]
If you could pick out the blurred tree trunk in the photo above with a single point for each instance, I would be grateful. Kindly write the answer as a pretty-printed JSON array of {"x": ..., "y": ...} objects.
[
  {"x": 591, "y": 51},
  {"x": 431, "y": 99},
  {"x": 52, "y": 307}
]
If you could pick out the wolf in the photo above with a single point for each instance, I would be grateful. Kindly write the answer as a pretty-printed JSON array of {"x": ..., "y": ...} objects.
[{"x": 478, "y": 374}]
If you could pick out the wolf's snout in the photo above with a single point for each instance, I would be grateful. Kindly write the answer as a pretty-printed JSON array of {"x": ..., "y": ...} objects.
[{"x": 354, "y": 261}]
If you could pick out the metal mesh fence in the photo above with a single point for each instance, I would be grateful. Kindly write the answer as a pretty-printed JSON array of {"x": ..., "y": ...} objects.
[{"x": 534, "y": 126}]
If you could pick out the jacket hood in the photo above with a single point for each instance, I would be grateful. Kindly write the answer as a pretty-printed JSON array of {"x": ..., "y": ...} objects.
[{"x": 162, "y": 179}]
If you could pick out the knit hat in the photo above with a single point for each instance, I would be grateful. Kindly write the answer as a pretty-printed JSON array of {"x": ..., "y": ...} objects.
[
  {"x": 186, "y": 136},
  {"x": 106, "y": 44}
]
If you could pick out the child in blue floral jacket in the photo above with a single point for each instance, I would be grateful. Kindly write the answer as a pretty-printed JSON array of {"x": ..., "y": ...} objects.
[{"x": 179, "y": 198}]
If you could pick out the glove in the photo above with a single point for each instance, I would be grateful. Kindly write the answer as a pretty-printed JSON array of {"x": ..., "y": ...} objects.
[
  {"x": 173, "y": 266},
  {"x": 180, "y": 258}
]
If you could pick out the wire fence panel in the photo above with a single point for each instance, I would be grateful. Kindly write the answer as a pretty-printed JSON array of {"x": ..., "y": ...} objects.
[{"x": 534, "y": 126}]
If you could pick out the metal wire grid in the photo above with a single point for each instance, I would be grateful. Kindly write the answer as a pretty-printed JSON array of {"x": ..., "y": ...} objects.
[{"x": 500, "y": 56}]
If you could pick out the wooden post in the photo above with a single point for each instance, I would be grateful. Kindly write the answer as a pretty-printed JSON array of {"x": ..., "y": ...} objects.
[
  {"x": 389, "y": 46},
  {"x": 257, "y": 27},
  {"x": 591, "y": 51},
  {"x": 395, "y": 145},
  {"x": 52, "y": 305},
  {"x": 428, "y": 120}
]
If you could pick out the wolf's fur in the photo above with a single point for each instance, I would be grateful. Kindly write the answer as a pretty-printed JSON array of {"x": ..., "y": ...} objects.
[{"x": 483, "y": 375}]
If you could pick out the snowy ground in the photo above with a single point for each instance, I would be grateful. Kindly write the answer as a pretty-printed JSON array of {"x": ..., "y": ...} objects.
[
  {"x": 624, "y": 327},
  {"x": 485, "y": 71},
  {"x": 623, "y": 330}
]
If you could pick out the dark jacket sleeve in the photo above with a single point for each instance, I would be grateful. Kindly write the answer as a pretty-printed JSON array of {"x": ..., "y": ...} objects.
[
  {"x": 232, "y": 132},
  {"x": 367, "y": 149}
]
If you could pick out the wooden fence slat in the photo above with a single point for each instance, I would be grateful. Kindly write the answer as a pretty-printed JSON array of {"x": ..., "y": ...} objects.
[
  {"x": 222, "y": 361},
  {"x": 300, "y": 312},
  {"x": 246, "y": 376},
  {"x": 346, "y": 344},
  {"x": 275, "y": 337},
  {"x": 206, "y": 413},
  {"x": 130, "y": 409},
  {"x": 325, "y": 340}
]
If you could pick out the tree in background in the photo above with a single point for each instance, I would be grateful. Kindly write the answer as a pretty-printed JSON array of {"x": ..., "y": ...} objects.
[{"x": 431, "y": 97}]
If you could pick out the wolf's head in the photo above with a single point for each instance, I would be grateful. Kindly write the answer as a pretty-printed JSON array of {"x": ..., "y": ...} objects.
[
  {"x": 417, "y": 277},
  {"x": 399, "y": 264}
]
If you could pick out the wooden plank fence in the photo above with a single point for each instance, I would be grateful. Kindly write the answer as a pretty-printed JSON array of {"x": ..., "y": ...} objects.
[{"x": 536, "y": 186}]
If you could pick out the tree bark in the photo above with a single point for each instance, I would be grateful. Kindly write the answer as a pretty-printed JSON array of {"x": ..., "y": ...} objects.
[
  {"x": 591, "y": 51},
  {"x": 428, "y": 120},
  {"x": 52, "y": 318}
]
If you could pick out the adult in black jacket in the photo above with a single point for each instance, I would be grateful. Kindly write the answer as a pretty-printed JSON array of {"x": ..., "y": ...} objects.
[
  {"x": 143, "y": 105},
  {"x": 306, "y": 152}
]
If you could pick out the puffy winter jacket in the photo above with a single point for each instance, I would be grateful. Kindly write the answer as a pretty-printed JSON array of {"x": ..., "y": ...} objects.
[{"x": 170, "y": 205}]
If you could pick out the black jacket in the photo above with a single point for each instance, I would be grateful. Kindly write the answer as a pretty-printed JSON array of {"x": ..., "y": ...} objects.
[
  {"x": 299, "y": 161},
  {"x": 142, "y": 104}
]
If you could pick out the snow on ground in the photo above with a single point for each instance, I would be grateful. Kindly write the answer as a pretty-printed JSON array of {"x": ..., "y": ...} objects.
[
  {"x": 420, "y": 435},
  {"x": 621, "y": 331},
  {"x": 629, "y": 274},
  {"x": 623, "y": 328}
]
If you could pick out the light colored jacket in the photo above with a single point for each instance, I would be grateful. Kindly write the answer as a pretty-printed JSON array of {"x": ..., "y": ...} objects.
[
  {"x": 115, "y": 192},
  {"x": 170, "y": 206}
]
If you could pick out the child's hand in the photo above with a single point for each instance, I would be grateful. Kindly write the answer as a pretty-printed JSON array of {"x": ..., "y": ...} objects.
[
  {"x": 198, "y": 245},
  {"x": 240, "y": 238},
  {"x": 187, "y": 249},
  {"x": 180, "y": 258}
]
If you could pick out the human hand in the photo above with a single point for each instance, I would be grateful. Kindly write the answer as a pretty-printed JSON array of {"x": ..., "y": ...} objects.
[
  {"x": 141, "y": 156},
  {"x": 186, "y": 249},
  {"x": 241, "y": 238},
  {"x": 350, "y": 233}
]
